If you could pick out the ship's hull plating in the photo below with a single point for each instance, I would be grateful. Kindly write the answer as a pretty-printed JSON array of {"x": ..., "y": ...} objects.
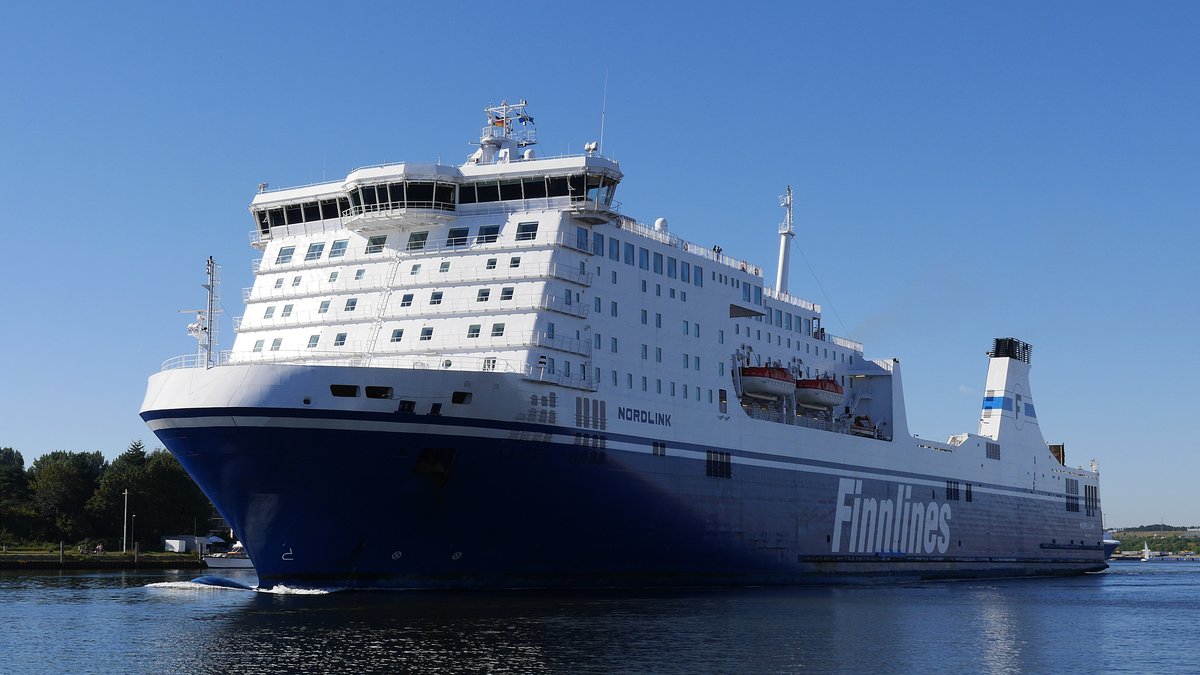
[{"x": 356, "y": 500}]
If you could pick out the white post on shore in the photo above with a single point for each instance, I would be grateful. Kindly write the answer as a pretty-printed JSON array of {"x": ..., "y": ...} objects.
[{"x": 124, "y": 520}]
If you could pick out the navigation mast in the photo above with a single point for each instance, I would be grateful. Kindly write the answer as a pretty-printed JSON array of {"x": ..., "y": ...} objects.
[{"x": 786, "y": 232}]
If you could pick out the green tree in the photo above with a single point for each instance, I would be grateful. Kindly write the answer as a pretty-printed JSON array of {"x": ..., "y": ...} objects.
[
  {"x": 107, "y": 505},
  {"x": 173, "y": 503},
  {"x": 16, "y": 513},
  {"x": 61, "y": 483}
]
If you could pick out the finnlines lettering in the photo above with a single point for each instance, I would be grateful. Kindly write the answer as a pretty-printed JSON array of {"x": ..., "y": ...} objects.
[
  {"x": 644, "y": 416},
  {"x": 886, "y": 525}
]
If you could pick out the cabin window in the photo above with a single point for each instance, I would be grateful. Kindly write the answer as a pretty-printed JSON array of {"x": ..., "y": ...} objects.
[
  {"x": 375, "y": 244},
  {"x": 339, "y": 340},
  {"x": 426, "y": 333},
  {"x": 629, "y": 252},
  {"x": 658, "y": 263},
  {"x": 285, "y": 255},
  {"x": 378, "y": 392},
  {"x": 514, "y": 262},
  {"x": 296, "y": 281},
  {"x": 344, "y": 390},
  {"x": 276, "y": 344},
  {"x": 458, "y": 236},
  {"x": 473, "y": 330},
  {"x": 506, "y": 293},
  {"x": 497, "y": 330},
  {"x": 487, "y": 234},
  {"x": 258, "y": 345},
  {"x": 535, "y": 188},
  {"x": 444, "y": 267},
  {"x": 435, "y": 298},
  {"x": 397, "y": 335},
  {"x": 339, "y": 248},
  {"x": 416, "y": 241},
  {"x": 527, "y": 231},
  {"x": 483, "y": 295},
  {"x": 287, "y": 311},
  {"x": 643, "y": 258},
  {"x": 312, "y": 340},
  {"x": 351, "y": 304},
  {"x": 597, "y": 243},
  {"x": 491, "y": 264},
  {"x": 279, "y": 282},
  {"x": 333, "y": 276},
  {"x": 270, "y": 312}
]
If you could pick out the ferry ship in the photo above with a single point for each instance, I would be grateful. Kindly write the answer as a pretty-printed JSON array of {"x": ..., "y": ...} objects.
[{"x": 488, "y": 376}]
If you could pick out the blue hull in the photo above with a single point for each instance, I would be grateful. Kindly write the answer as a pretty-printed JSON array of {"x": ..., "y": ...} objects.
[{"x": 389, "y": 509}]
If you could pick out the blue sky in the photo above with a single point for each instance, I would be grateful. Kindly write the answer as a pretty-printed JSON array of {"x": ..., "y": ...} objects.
[{"x": 962, "y": 171}]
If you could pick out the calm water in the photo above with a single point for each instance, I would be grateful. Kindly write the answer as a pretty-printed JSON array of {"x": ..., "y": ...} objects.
[{"x": 1133, "y": 618}]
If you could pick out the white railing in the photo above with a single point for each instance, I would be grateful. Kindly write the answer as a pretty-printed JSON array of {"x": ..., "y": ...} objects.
[
  {"x": 534, "y": 372},
  {"x": 631, "y": 225},
  {"x": 845, "y": 342},
  {"x": 791, "y": 299}
]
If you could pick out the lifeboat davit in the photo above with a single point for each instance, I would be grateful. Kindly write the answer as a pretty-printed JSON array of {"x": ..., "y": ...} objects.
[
  {"x": 767, "y": 381},
  {"x": 823, "y": 392}
]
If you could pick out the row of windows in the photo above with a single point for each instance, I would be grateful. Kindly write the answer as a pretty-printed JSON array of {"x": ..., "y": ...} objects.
[
  {"x": 339, "y": 339},
  {"x": 456, "y": 236},
  {"x": 360, "y": 273},
  {"x": 406, "y": 300},
  {"x": 438, "y": 195},
  {"x": 660, "y": 264}
]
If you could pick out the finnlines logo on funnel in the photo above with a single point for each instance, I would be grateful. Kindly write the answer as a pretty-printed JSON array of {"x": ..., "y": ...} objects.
[{"x": 898, "y": 525}]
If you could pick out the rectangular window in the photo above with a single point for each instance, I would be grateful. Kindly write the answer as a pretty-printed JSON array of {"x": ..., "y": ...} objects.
[
  {"x": 613, "y": 343},
  {"x": 497, "y": 329},
  {"x": 312, "y": 340},
  {"x": 296, "y": 281},
  {"x": 270, "y": 312},
  {"x": 285, "y": 255},
  {"x": 444, "y": 267},
  {"x": 696, "y": 362},
  {"x": 629, "y": 249},
  {"x": 351, "y": 304},
  {"x": 339, "y": 248},
  {"x": 287, "y": 311},
  {"x": 483, "y": 295},
  {"x": 643, "y": 258},
  {"x": 685, "y": 272},
  {"x": 375, "y": 244},
  {"x": 686, "y": 360},
  {"x": 528, "y": 231},
  {"x": 645, "y": 314},
  {"x": 359, "y": 274},
  {"x": 614, "y": 249},
  {"x": 596, "y": 303},
  {"x": 698, "y": 277},
  {"x": 416, "y": 241},
  {"x": 473, "y": 330},
  {"x": 416, "y": 269},
  {"x": 491, "y": 264},
  {"x": 489, "y": 363},
  {"x": 658, "y": 263},
  {"x": 658, "y": 354},
  {"x": 258, "y": 345},
  {"x": 435, "y": 298},
  {"x": 314, "y": 251},
  {"x": 671, "y": 267},
  {"x": 657, "y": 320},
  {"x": 597, "y": 243},
  {"x": 686, "y": 327},
  {"x": 339, "y": 340},
  {"x": 276, "y": 344},
  {"x": 397, "y": 335},
  {"x": 458, "y": 236},
  {"x": 406, "y": 300},
  {"x": 426, "y": 333},
  {"x": 506, "y": 293},
  {"x": 487, "y": 234},
  {"x": 581, "y": 238},
  {"x": 514, "y": 262},
  {"x": 279, "y": 282},
  {"x": 612, "y": 307}
]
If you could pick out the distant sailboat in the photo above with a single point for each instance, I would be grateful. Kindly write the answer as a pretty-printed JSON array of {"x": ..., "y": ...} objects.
[{"x": 1145, "y": 551}]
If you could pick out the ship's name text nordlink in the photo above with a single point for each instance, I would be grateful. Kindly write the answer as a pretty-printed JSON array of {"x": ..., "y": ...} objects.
[
  {"x": 884, "y": 525},
  {"x": 644, "y": 416}
]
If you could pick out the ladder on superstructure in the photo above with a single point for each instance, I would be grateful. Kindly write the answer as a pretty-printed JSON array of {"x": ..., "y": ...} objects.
[{"x": 381, "y": 312}]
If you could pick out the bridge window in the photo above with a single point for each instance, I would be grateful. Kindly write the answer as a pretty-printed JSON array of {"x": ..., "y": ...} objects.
[
  {"x": 535, "y": 188},
  {"x": 416, "y": 241},
  {"x": 285, "y": 255},
  {"x": 487, "y": 234},
  {"x": 510, "y": 190},
  {"x": 458, "y": 236},
  {"x": 375, "y": 244},
  {"x": 315, "y": 251},
  {"x": 339, "y": 248},
  {"x": 488, "y": 192},
  {"x": 526, "y": 231}
]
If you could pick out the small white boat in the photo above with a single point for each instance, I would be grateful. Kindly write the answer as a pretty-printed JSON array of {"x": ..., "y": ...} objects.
[
  {"x": 235, "y": 558},
  {"x": 1146, "y": 552}
]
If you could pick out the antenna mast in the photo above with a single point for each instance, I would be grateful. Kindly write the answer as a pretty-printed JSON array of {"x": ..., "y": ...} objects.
[
  {"x": 205, "y": 327},
  {"x": 603, "y": 109},
  {"x": 786, "y": 232}
]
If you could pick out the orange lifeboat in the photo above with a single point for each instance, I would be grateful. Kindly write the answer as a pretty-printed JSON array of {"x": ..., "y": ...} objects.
[
  {"x": 767, "y": 381},
  {"x": 824, "y": 392}
]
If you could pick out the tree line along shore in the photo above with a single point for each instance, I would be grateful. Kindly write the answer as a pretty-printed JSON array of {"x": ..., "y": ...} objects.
[{"x": 77, "y": 500}]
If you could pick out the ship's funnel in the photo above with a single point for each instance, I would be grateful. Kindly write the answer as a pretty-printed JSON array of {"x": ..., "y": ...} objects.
[{"x": 1008, "y": 412}]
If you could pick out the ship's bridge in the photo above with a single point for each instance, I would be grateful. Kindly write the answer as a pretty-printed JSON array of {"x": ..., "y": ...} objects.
[{"x": 396, "y": 196}]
